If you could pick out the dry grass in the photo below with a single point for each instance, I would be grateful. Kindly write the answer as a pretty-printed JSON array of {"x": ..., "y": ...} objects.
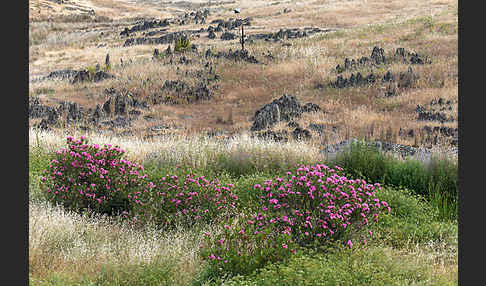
[
  {"x": 429, "y": 28},
  {"x": 195, "y": 151},
  {"x": 76, "y": 245}
]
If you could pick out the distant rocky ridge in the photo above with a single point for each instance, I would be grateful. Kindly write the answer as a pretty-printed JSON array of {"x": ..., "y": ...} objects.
[
  {"x": 282, "y": 34},
  {"x": 75, "y": 76}
]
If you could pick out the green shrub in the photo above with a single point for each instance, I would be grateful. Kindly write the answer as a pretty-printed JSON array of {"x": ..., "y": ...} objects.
[
  {"x": 91, "y": 71},
  {"x": 83, "y": 177},
  {"x": 187, "y": 201},
  {"x": 107, "y": 68},
  {"x": 412, "y": 220},
  {"x": 182, "y": 44},
  {"x": 314, "y": 205}
]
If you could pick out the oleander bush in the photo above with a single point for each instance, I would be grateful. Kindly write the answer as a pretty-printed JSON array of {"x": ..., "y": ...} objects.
[
  {"x": 186, "y": 201},
  {"x": 313, "y": 205},
  {"x": 85, "y": 176},
  {"x": 89, "y": 177}
]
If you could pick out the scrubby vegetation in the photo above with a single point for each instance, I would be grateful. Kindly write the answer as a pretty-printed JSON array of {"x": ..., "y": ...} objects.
[
  {"x": 436, "y": 180},
  {"x": 245, "y": 229}
]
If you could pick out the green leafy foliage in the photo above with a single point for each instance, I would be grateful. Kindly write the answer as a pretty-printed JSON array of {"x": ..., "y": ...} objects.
[{"x": 182, "y": 44}]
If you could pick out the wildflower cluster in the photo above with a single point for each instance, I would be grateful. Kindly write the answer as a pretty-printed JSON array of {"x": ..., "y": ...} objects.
[
  {"x": 309, "y": 206},
  {"x": 246, "y": 243},
  {"x": 85, "y": 176},
  {"x": 318, "y": 202},
  {"x": 186, "y": 201}
]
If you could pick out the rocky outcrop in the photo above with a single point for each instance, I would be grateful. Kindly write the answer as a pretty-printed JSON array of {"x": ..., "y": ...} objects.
[
  {"x": 197, "y": 17},
  {"x": 118, "y": 122},
  {"x": 284, "y": 108},
  {"x": 226, "y": 36},
  {"x": 178, "y": 91},
  {"x": 86, "y": 76},
  {"x": 425, "y": 115},
  {"x": 301, "y": 134},
  {"x": 394, "y": 81},
  {"x": 283, "y": 34},
  {"x": 277, "y": 136},
  {"x": 436, "y": 110},
  {"x": 318, "y": 128},
  {"x": 81, "y": 76},
  {"x": 165, "y": 39},
  {"x": 231, "y": 24},
  {"x": 145, "y": 25},
  {"x": 237, "y": 55},
  {"x": 51, "y": 115},
  {"x": 62, "y": 74},
  {"x": 101, "y": 75},
  {"x": 353, "y": 80},
  {"x": 37, "y": 109},
  {"x": 378, "y": 58}
]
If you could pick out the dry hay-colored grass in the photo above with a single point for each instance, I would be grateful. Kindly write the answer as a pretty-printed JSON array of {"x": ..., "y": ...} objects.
[
  {"x": 428, "y": 28},
  {"x": 79, "y": 246},
  {"x": 198, "y": 151}
]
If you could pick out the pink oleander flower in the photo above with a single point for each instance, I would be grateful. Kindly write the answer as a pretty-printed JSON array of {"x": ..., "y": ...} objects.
[{"x": 349, "y": 243}]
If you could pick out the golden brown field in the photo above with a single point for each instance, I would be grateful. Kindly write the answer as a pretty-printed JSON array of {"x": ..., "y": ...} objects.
[{"x": 427, "y": 27}]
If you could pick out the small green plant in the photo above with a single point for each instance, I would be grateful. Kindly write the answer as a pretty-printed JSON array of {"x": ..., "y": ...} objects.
[
  {"x": 107, "y": 68},
  {"x": 182, "y": 44},
  {"x": 91, "y": 71}
]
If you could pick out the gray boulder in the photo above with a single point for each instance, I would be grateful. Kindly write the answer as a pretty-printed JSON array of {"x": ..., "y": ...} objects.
[{"x": 285, "y": 108}]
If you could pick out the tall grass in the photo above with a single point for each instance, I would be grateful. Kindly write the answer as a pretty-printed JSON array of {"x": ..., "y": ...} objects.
[
  {"x": 436, "y": 180},
  {"x": 240, "y": 155},
  {"x": 70, "y": 248}
]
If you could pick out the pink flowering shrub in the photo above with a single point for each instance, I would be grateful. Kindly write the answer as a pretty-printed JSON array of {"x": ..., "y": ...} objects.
[
  {"x": 246, "y": 244},
  {"x": 186, "y": 201},
  {"x": 318, "y": 202},
  {"x": 84, "y": 176},
  {"x": 312, "y": 205}
]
